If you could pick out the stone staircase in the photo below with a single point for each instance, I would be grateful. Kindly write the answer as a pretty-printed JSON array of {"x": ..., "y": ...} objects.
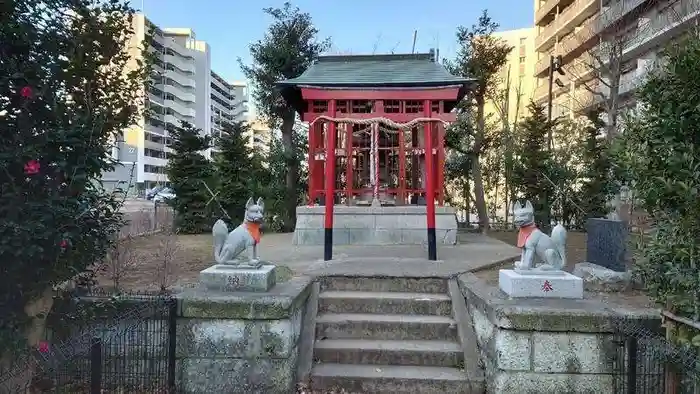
[{"x": 389, "y": 335}]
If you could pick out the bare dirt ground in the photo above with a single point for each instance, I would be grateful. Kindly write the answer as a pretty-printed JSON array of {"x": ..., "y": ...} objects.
[{"x": 576, "y": 253}]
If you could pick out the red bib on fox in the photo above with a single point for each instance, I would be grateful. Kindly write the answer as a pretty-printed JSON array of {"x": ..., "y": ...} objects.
[
  {"x": 254, "y": 231},
  {"x": 524, "y": 233}
]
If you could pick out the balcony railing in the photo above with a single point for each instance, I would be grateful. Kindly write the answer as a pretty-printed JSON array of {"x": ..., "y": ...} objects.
[
  {"x": 180, "y": 63},
  {"x": 617, "y": 11},
  {"x": 569, "y": 16},
  {"x": 545, "y": 10},
  {"x": 575, "y": 40},
  {"x": 180, "y": 109},
  {"x": 681, "y": 12},
  {"x": 180, "y": 93},
  {"x": 185, "y": 82}
]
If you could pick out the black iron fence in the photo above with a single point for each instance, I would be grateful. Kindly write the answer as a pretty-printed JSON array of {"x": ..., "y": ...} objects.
[
  {"x": 645, "y": 362},
  {"x": 110, "y": 344}
]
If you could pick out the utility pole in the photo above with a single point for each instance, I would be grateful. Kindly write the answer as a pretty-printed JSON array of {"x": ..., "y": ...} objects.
[
  {"x": 415, "y": 35},
  {"x": 555, "y": 64}
]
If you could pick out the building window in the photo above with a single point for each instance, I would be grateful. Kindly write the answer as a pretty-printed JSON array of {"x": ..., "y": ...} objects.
[
  {"x": 159, "y": 154},
  {"x": 522, "y": 59},
  {"x": 523, "y": 40},
  {"x": 153, "y": 169}
]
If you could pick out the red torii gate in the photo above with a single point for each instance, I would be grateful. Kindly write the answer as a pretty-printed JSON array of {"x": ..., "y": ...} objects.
[{"x": 388, "y": 95}]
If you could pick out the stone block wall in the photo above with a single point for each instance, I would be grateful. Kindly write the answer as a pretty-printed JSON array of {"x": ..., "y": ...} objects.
[
  {"x": 530, "y": 346},
  {"x": 355, "y": 225},
  {"x": 241, "y": 343}
]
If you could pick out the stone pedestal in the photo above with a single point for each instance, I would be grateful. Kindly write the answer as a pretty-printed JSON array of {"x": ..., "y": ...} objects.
[
  {"x": 606, "y": 243},
  {"x": 540, "y": 284},
  {"x": 375, "y": 225},
  {"x": 231, "y": 278}
]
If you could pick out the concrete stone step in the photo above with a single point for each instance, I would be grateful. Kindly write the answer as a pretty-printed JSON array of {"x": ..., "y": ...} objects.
[
  {"x": 385, "y": 302},
  {"x": 416, "y": 285},
  {"x": 387, "y": 352},
  {"x": 381, "y": 379},
  {"x": 395, "y": 327}
]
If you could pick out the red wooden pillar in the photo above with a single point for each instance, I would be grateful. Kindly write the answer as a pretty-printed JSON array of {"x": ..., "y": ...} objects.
[
  {"x": 319, "y": 164},
  {"x": 430, "y": 182},
  {"x": 441, "y": 163},
  {"x": 348, "y": 161},
  {"x": 402, "y": 167},
  {"x": 312, "y": 164},
  {"x": 331, "y": 134}
]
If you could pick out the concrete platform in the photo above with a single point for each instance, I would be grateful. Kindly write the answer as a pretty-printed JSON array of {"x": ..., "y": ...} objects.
[
  {"x": 362, "y": 225},
  {"x": 472, "y": 252}
]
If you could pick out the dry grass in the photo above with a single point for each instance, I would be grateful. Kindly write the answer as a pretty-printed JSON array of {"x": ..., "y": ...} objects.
[
  {"x": 162, "y": 260},
  {"x": 156, "y": 261}
]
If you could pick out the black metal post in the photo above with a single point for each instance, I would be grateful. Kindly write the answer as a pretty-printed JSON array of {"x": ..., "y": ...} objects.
[
  {"x": 172, "y": 348},
  {"x": 96, "y": 366},
  {"x": 432, "y": 245},
  {"x": 631, "y": 365},
  {"x": 549, "y": 101},
  {"x": 327, "y": 244}
]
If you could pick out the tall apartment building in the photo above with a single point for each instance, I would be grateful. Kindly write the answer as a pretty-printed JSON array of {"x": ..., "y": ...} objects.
[
  {"x": 259, "y": 136},
  {"x": 582, "y": 33},
  {"x": 240, "y": 101},
  {"x": 516, "y": 77},
  {"x": 229, "y": 102},
  {"x": 180, "y": 91}
]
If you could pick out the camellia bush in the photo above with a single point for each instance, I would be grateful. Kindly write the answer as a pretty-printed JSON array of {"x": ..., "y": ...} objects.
[
  {"x": 67, "y": 90},
  {"x": 659, "y": 154}
]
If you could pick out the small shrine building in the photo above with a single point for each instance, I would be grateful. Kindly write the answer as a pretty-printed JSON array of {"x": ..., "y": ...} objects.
[{"x": 385, "y": 115}]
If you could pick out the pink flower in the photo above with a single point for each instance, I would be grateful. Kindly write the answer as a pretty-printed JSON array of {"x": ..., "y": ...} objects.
[
  {"x": 63, "y": 244},
  {"x": 43, "y": 347},
  {"x": 26, "y": 92},
  {"x": 32, "y": 167}
]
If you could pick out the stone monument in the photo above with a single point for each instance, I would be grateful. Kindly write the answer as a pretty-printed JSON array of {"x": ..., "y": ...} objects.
[
  {"x": 235, "y": 270},
  {"x": 605, "y": 268},
  {"x": 539, "y": 272},
  {"x": 606, "y": 243}
]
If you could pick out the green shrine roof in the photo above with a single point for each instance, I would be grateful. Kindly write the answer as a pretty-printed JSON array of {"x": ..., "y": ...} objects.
[{"x": 372, "y": 71}]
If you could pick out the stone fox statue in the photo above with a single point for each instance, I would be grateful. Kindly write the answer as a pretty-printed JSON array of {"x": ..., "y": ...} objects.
[
  {"x": 228, "y": 246},
  {"x": 537, "y": 246}
]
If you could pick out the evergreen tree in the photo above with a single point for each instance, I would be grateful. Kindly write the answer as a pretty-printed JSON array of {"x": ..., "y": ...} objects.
[
  {"x": 275, "y": 192},
  {"x": 659, "y": 154},
  {"x": 597, "y": 185},
  {"x": 236, "y": 171},
  {"x": 533, "y": 165},
  {"x": 187, "y": 171},
  {"x": 289, "y": 47},
  {"x": 68, "y": 89},
  {"x": 481, "y": 56}
]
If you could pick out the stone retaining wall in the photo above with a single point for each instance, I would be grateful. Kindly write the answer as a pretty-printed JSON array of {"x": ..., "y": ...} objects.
[
  {"x": 241, "y": 343},
  {"x": 532, "y": 346}
]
